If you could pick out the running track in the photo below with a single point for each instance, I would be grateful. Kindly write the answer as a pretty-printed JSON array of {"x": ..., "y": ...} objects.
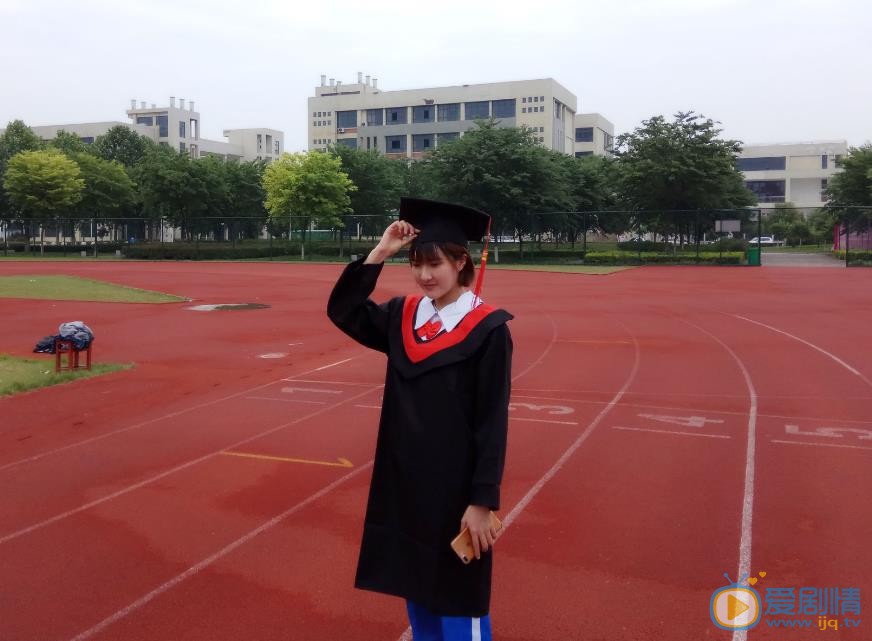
[{"x": 668, "y": 425}]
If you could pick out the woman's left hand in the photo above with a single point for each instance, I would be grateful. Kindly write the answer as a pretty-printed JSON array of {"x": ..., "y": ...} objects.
[{"x": 477, "y": 519}]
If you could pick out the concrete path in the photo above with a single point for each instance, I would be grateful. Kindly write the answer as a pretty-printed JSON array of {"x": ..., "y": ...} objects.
[{"x": 793, "y": 259}]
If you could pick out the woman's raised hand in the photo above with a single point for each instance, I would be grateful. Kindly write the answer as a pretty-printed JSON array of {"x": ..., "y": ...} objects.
[{"x": 398, "y": 234}]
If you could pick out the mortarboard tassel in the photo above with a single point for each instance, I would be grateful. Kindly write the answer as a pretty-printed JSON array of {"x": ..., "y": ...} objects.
[{"x": 480, "y": 280}]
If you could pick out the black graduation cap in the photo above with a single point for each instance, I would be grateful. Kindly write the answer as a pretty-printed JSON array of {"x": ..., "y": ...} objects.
[{"x": 444, "y": 222}]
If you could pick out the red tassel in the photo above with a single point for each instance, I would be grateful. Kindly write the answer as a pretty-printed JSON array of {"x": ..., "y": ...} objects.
[{"x": 480, "y": 280}]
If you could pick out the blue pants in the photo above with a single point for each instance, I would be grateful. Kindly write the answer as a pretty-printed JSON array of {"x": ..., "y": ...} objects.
[{"x": 429, "y": 627}]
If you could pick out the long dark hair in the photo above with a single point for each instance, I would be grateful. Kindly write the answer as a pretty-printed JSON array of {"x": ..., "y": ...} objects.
[{"x": 429, "y": 252}]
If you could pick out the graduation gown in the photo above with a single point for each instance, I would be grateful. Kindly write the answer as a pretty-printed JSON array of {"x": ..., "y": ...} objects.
[{"x": 441, "y": 444}]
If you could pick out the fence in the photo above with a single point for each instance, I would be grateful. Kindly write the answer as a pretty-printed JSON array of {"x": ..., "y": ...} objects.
[{"x": 716, "y": 237}]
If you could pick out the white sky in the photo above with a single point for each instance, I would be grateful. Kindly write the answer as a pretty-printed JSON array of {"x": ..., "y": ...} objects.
[{"x": 768, "y": 70}]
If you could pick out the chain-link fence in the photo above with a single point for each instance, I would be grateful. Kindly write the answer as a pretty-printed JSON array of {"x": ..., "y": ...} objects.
[{"x": 700, "y": 237}]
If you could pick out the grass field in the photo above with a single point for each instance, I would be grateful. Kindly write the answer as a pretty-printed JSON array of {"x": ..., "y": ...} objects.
[
  {"x": 55, "y": 287},
  {"x": 21, "y": 374}
]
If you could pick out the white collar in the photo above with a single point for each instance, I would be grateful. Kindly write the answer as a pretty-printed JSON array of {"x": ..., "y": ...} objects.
[{"x": 450, "y": 315}]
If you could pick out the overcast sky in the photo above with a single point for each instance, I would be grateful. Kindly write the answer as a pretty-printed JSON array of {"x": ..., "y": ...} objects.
[{"x": 768, "y": 70}]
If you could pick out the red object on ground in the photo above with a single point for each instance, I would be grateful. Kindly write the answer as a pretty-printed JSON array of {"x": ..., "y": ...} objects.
[{"x": 63, "y": 346}]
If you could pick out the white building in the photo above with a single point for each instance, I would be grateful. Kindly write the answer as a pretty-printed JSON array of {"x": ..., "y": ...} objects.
[
  {"x": 594, "y": 135},
  {"x": 179, "y": 128},
  {"x": 795, "y": 173},
  {"x": 409, "y": 123}
]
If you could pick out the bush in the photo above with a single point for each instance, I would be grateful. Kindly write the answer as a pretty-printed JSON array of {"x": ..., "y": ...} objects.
[
  {"x": 651, "y": 258},
  {"x": 728, "y": 245},
  {"x": 69, "y": 248},
  {"x": 862, "y": 257},
  {"x": 644, "y": 246}
]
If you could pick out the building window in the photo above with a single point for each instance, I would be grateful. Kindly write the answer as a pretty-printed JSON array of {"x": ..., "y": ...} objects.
[
  {"x": 397, "y": 115},
  {"x": 767, "y": 191},
  {"x": 422, "y": 142},
  {"x": 608, "y": 141},
  {"x": 163, "y": 126},
  {"x": 181, "y": 129},
  {"x": 504, "y": 108},
  {"x": 477, "y": 110},
  {"x": 278, "y": 147},
  {"x": 375, "y": 117},
  {"x": 182, "y": 147},
  {"x": 347, "y": 142},
  {"x": 582, "y": 154},
  {"x": 763, "y": 163},
  {"x": 542, "y": 98},
  {"x": 346, "y": 119},
  {"x": 314, "y": 115},
  {"x": 424, "y": 113},
  {"x": 535, "y": 98},
  {"x": 823, "y": 161},
  {"x": 541, "y": 129},
  {"x": 395, "y": 144},
  {"x": 584, "y": 134},
  {"x": 541, "y": 139},
  {"x": 448, "y": 112},
  {"x": 524, "y": 99},
  {"x": 145, "y": 120},
  {"x": 89, "y": 140}
]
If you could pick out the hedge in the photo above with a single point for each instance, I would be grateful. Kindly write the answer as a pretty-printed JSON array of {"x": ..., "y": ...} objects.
[{"x": 647, "y": 258}]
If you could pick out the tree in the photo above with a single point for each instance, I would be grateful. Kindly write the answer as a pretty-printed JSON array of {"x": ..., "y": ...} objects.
[
  {"x": 852, "y": 188},
  {"x": 18, "y": 137},
  {"x": 122, "y": 144},
  {"x": 247, "y": 214},
  {"x": 500, "y": 170},
  {"x": 172, "y": 190},
  {"x": 307, "y": 187},
  {"x": 42, "y": 185},
  {"x": 108, "y": 194},
  {"x": 676, "y": 167},
  {"x": 68, "y": 143},
  {"x": 379, "y": 181}
]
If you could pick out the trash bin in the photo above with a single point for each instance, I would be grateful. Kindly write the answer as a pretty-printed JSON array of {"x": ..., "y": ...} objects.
[{"x": 754, "y": 256}]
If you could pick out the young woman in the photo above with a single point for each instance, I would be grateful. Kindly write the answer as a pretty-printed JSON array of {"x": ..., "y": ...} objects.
[{"x": 442, "y": 434}]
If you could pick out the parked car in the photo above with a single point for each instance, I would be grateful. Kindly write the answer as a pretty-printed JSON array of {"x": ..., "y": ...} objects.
[{"x": 763, "y": 240}]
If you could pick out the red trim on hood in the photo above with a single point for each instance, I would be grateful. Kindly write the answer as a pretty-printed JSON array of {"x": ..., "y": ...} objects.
[{"x": 416, "y": 351}]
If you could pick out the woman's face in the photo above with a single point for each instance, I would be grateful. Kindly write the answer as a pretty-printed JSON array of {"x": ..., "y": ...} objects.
[{"x": 437, "y": 277}]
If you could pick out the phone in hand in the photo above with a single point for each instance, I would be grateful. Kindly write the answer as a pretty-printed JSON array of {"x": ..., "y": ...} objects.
[{"x": 462, "y": 543}]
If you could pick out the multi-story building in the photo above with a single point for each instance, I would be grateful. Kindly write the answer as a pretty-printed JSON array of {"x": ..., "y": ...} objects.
[
  {"x": 795, "y": 173},
  {"x": 409, "y": 123},
  {"x": 594, "y": 135},
  {"x": 179, "y": 128}
]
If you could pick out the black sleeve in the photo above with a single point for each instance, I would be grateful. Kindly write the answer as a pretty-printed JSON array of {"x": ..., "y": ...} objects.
[
  {"x": 351, "y": 310},
  {"x": 491, "y": 421}
]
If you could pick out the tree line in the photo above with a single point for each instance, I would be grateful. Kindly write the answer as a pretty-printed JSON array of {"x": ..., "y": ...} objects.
[{"x": 668, "y": 177}]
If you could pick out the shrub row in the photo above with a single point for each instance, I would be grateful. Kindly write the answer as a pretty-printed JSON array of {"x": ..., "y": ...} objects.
[
  {"x": 858, "y": 257},
  {"x": 722, "y": 244},
  {"x": 35, "y": 248},
  {"x": 647, "y": 258}
]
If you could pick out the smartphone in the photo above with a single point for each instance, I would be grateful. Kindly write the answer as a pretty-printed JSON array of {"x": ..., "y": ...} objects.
[{"x": 462, "y": 543}]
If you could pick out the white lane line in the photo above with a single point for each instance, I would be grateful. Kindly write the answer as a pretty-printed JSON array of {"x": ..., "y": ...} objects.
[
  {"x": 542, "y": 420},
  {"x": 673, "y": 408},
  {"x": 369, "y": 407},
  {"x": 812, "y": 345},
  {"x": 537, "y": 487},
  {"x": 850, "y": 447},
  {"x": 318, "y": 369},
  {"x": 750, "y": 451},
  {"x": 286, "y": 400},
  {"x": 642, "y": 429},
  {"x": 178, "y": 468},
  {"x": 291, "y": 390},
  {"x": 93, "y": 439},
  {"x": 195, "y": 569},
  {"x": 314, "y": 380}
]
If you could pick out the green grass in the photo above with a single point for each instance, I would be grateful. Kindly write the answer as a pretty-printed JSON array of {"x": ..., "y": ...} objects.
[
  {"x": 21, "y": 374},
  {"x": 57, "y": 287},
  {"x": 572, "y": 269}
]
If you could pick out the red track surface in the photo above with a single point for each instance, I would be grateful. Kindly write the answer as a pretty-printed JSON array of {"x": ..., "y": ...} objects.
[{"x": 122, "y": 518}]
